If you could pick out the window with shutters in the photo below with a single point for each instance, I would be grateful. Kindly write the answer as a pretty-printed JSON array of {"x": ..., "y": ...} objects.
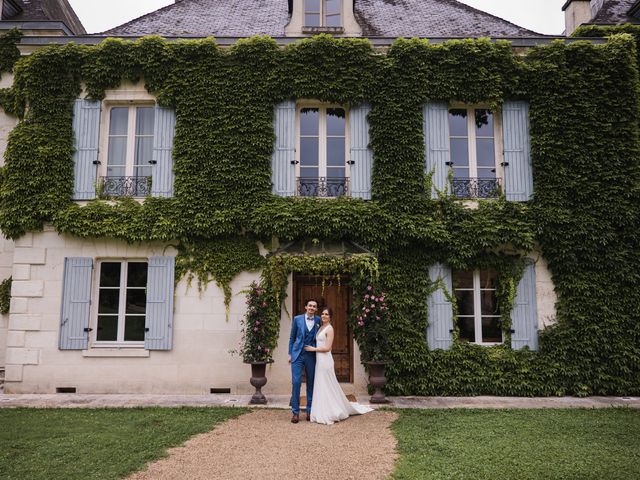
[
  {"x": 322, "y": 168},
  {"x": 128, "y": 142},
  {"x": 478, "y": 315},
  {"x": 476, "y": 152},
  {"x": 122, "y": 303},
  {"x": 322, "y": 15}
]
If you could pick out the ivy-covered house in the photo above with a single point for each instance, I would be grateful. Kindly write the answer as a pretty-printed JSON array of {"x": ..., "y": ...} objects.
[{"x": 480, "y": 178}]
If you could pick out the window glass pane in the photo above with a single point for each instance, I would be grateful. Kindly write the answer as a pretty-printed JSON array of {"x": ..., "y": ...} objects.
[
  {"x": 464, "y": 300},
  {"x": 484, "y": 123},
  {"x": 312, "y": 20},
  {"x": 485, "y": 152},
  {"x": 312, "y": 6},
  {"x": 335, "y": 121},
  {"x": 460, "y": 173},
  {"x": 137, "y": 274},
  {"x": 309, "y": 172},
  {"x": 332, "y": 21},
  {"x": 136, "y": 300},
  {"x": 485, "y": 172},
  {"x": 335, "y": 172},
  {"x": 331, "y": 6},
  {"x": 117, "y": 155},
  {"x": 108, "y": 300},
  {"x": 110, "y": 274},
  {"x": 142, "y": 172},
  {"x": 309, "y": 121},
  {"x": 309, "y": 151},
  {"x": 107, "y": 328},
  {"x": 144, "y": 150},
  {"x": 489, "y": 302},
  {"x": 144, "y": 120},
  {"x": 335, "y": 152},
  {"x": 119, "y": 121},
  {"x": 488, "y": 279},
  {"x": 463, "y": 278},
  {"x": 458, "y": 122},
  {"x": 467, "y": 329},
  {"x": 459, "y": 152},
  {"x": 491, "y": 331},
  {"x": 134, "y": 328}
]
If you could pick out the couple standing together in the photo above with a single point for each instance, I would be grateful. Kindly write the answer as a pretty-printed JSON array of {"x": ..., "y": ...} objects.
[{"x": 310, "y": 349}]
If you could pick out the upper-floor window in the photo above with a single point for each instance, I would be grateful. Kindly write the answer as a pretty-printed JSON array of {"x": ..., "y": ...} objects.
[
  {"x": 322, "y": 13},
  {"x": 477, "y": 306},
  {"x": 322, "y": 169},
  {"x": 122, "y": 302},
  {"x": 474, "y": 160},
  {"x": 129, "y": 151}
]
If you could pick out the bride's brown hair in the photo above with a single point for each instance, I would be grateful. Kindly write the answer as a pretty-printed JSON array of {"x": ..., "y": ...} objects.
[{"x": 328, "y": 310}]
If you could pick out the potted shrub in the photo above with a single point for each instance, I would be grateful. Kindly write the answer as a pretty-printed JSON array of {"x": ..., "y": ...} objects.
[
  {"x": 259, "y": 337},
  {"x": 370, "y": 326}
]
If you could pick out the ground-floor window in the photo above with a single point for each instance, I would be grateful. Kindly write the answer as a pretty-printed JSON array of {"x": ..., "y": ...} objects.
[
  {"x": 478, "y": 313},
  {"x": 122, "y": 302}
]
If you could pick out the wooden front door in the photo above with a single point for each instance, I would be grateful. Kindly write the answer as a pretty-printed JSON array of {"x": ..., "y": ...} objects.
[{"x": 338, "y": 298}]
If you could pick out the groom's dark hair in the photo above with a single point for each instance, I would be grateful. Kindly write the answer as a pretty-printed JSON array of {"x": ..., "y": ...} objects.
[{"x": 306, "y": 302}]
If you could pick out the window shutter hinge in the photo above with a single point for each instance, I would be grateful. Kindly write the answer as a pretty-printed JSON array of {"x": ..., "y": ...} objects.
[
  {"x": 448, "y": 164},
  {"x": 152, "y": 162},
  {"x": 512, "y": 331},
  {"x": 88, "y": 329},
  {"x": 97, "y": 162},
  {"x": 351, "y": 162},
  {"x": 295, "y": 162},
  {"x": 504, "y": 164},
  {"x": 146, "y": 329},
  {"x": 451, "y": 330}
]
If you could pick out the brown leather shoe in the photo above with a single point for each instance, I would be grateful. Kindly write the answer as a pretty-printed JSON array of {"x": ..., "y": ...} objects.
[
  {"x": 295, "y": 418},
  {"x": 308, "y": 417}
]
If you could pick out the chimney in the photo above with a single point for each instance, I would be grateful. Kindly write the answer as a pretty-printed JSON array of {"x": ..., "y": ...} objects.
[{"x": 576, "y": 12}]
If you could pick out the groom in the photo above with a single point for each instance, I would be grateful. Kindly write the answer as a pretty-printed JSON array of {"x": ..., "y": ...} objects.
[{"x": 303, "y": 332}]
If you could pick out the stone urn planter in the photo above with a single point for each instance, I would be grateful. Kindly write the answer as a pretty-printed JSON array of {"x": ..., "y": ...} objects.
[
  {"x": 377, "y": 380},
  {"x": 258, "y": 380}
]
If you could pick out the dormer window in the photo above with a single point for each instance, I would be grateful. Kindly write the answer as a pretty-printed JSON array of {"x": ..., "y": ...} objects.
[{"x": 322, "y": 13}]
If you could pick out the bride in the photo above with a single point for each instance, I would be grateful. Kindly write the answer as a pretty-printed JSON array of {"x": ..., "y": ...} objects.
[{"x": 329, "y": 402}]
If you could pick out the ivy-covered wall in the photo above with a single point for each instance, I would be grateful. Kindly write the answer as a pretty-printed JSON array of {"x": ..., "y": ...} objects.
[{"x": 584, "y": 215}]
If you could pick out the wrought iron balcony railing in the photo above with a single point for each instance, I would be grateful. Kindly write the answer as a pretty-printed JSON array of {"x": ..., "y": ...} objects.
[
  {"x": 477, "y": 187},
  {"x": 323, "y": 187},
  {"x": 124, "y": 187}
]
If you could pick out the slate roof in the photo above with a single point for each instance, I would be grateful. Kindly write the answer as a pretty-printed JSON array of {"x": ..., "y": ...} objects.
[
  {"x": 385, "y": 18},
  {"x": 50, "y": 10},
  {"x": 615, "y": 11}
]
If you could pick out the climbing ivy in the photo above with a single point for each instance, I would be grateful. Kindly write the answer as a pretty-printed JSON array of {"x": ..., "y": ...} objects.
[
  {"x": 5, "y": 295},
  {"x": 583, "y": 218}
]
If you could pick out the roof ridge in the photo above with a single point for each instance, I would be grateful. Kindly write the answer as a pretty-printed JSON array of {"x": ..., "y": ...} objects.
[
  {"x": 476, "y": 10},
  {"x": 161, "y": 9}
]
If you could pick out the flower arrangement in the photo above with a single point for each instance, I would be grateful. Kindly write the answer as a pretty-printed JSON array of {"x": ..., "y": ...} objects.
[
  {"x": 259, "y": 336},
  {"x": 370, "y": 321}
]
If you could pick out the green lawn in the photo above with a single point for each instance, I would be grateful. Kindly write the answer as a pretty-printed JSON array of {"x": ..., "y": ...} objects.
[
  {"x": 95, "y": 443},
  {"x": 602, "y": 444}
]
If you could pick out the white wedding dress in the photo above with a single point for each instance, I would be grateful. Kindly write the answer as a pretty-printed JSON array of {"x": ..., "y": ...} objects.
[{"x": 329, "y": 401}]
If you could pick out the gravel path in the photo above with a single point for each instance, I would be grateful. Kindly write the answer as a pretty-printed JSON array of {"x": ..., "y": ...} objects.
[{"x": 265, "y": 445}]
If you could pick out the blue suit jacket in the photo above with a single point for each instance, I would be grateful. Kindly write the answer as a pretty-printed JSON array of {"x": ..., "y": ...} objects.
[{"x": 298, "y": 332}]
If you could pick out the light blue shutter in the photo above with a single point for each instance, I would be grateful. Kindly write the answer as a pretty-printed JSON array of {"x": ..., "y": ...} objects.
[
  {"x": 439, "y": 330},
  {"x": 76, "y": 302},
  {"x": 436, "y": 142},
  {"x": 361, "y": 154},
  {"x": 159, "y": 322},
  {"x": 518, "y": 173},
  {"x": 283, "y": 170},
  {"x": 86, "y": 129},
  {"x": 163, "y": 133},
  {"x": 524, "y": 317}
]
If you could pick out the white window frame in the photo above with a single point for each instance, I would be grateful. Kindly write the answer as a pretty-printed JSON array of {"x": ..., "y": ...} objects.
[
  {"x": 119, "y": 342},
  {"x": 498, "y": 144},
  {"x": 323, "y": 15},
  {"x": 477, "y": 309},
  {"x": 131, "y": 135},
  {"x": 322, "y": 139}
]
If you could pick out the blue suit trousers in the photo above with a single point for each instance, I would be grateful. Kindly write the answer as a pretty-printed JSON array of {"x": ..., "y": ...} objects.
[{"x": 306, "y": 360}]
